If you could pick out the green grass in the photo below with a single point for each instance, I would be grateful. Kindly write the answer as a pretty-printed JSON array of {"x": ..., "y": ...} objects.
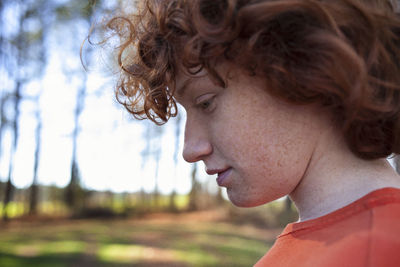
[{"x": 166, "y": 242}]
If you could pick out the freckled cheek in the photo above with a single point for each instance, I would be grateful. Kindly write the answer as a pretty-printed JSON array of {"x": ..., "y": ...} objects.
[
  {"x": 229, "y": 145},
  {"x": 244, "y": 144}
]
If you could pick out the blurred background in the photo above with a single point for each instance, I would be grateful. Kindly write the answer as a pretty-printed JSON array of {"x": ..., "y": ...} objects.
[{"x": 81, "y": 182}]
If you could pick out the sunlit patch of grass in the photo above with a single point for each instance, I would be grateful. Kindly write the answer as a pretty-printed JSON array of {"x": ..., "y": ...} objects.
[
  {"x": 205, "y": 249},
  {"x": 64, "y": 247},
  {"x": 41, "y": 247},
  {"x": 219, "y": 245},
  {"x": 196, "y": 256},
  {"x": 28, "y": 249},
  {"x": 119, "y": 253},
  {"x": 234, "y": 242},
  {"x": 243, "y": 254}
]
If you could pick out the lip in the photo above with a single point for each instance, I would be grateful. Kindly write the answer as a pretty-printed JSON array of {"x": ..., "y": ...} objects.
[{"x": 223, "y": 174}]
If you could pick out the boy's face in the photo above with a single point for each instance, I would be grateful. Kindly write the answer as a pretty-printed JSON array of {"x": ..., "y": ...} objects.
[{"x": 259, "y": 146}]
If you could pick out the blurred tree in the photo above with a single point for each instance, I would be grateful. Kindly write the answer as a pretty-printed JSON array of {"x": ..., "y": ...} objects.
[
  {"x": 71, "y": 16},
  {"x": 40, "y": 9},
  {"x": 193, "y": 195},
  {"x": 3, "y": 95},
  {"x": 33, "y": 198},
  {"x": 73, "y": 189},
  {"x": 172, "y": 199},
  {"x": 153, "y": 134},
  {"x": 22, "y": 63},
  {"x": 2, "y": 83},
  {"x": 219, "y": 198},
  {"x": 12, "y": 97}
]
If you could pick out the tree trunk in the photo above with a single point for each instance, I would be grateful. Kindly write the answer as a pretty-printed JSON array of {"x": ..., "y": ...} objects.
[
  {"x": 193, "y": 205},
  {"x": 73, "y": 188},
  {"x": 156, "y": 193},
  {"x": 9, "y": 187},
  {"x": 33, "y": 198},
  {"x": 172, "y": 198}
]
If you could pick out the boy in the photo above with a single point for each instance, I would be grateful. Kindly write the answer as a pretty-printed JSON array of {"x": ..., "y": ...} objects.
[{"x": 283, "y": 97}]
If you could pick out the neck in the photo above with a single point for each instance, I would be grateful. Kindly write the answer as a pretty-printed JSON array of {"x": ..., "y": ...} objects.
[{"x": 335, "y": 177}]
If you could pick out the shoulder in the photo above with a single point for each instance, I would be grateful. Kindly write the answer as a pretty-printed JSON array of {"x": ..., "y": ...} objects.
[
  {"x": 384, "y": 234},
  {"x": 365, "y": 233}
]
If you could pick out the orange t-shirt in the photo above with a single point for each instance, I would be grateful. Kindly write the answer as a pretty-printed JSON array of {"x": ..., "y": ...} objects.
[{"x": 364, "y": 233}]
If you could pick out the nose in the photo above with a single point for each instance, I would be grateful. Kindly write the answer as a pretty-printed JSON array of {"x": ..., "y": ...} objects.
[{"x": 196, "y": 145}]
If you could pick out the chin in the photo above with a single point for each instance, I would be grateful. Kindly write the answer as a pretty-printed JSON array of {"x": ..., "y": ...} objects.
[{"x": 246, "y": 201}]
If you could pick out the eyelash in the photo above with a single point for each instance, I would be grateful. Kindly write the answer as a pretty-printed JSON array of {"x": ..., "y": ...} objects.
[{"x": 207, "y": 105}]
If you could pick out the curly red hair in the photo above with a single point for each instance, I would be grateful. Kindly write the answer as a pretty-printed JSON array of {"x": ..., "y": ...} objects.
[{"x": 342, "y": 54}]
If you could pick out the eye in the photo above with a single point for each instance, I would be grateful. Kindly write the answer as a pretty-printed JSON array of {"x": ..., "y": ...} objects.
[{"x": 206, "y": 102}]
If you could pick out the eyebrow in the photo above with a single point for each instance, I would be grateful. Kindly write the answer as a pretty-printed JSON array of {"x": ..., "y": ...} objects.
[{"x": 182, "y": 90}]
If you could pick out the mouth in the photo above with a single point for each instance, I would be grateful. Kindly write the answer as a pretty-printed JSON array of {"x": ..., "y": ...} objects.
[{"x": 223, "y": 174}]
